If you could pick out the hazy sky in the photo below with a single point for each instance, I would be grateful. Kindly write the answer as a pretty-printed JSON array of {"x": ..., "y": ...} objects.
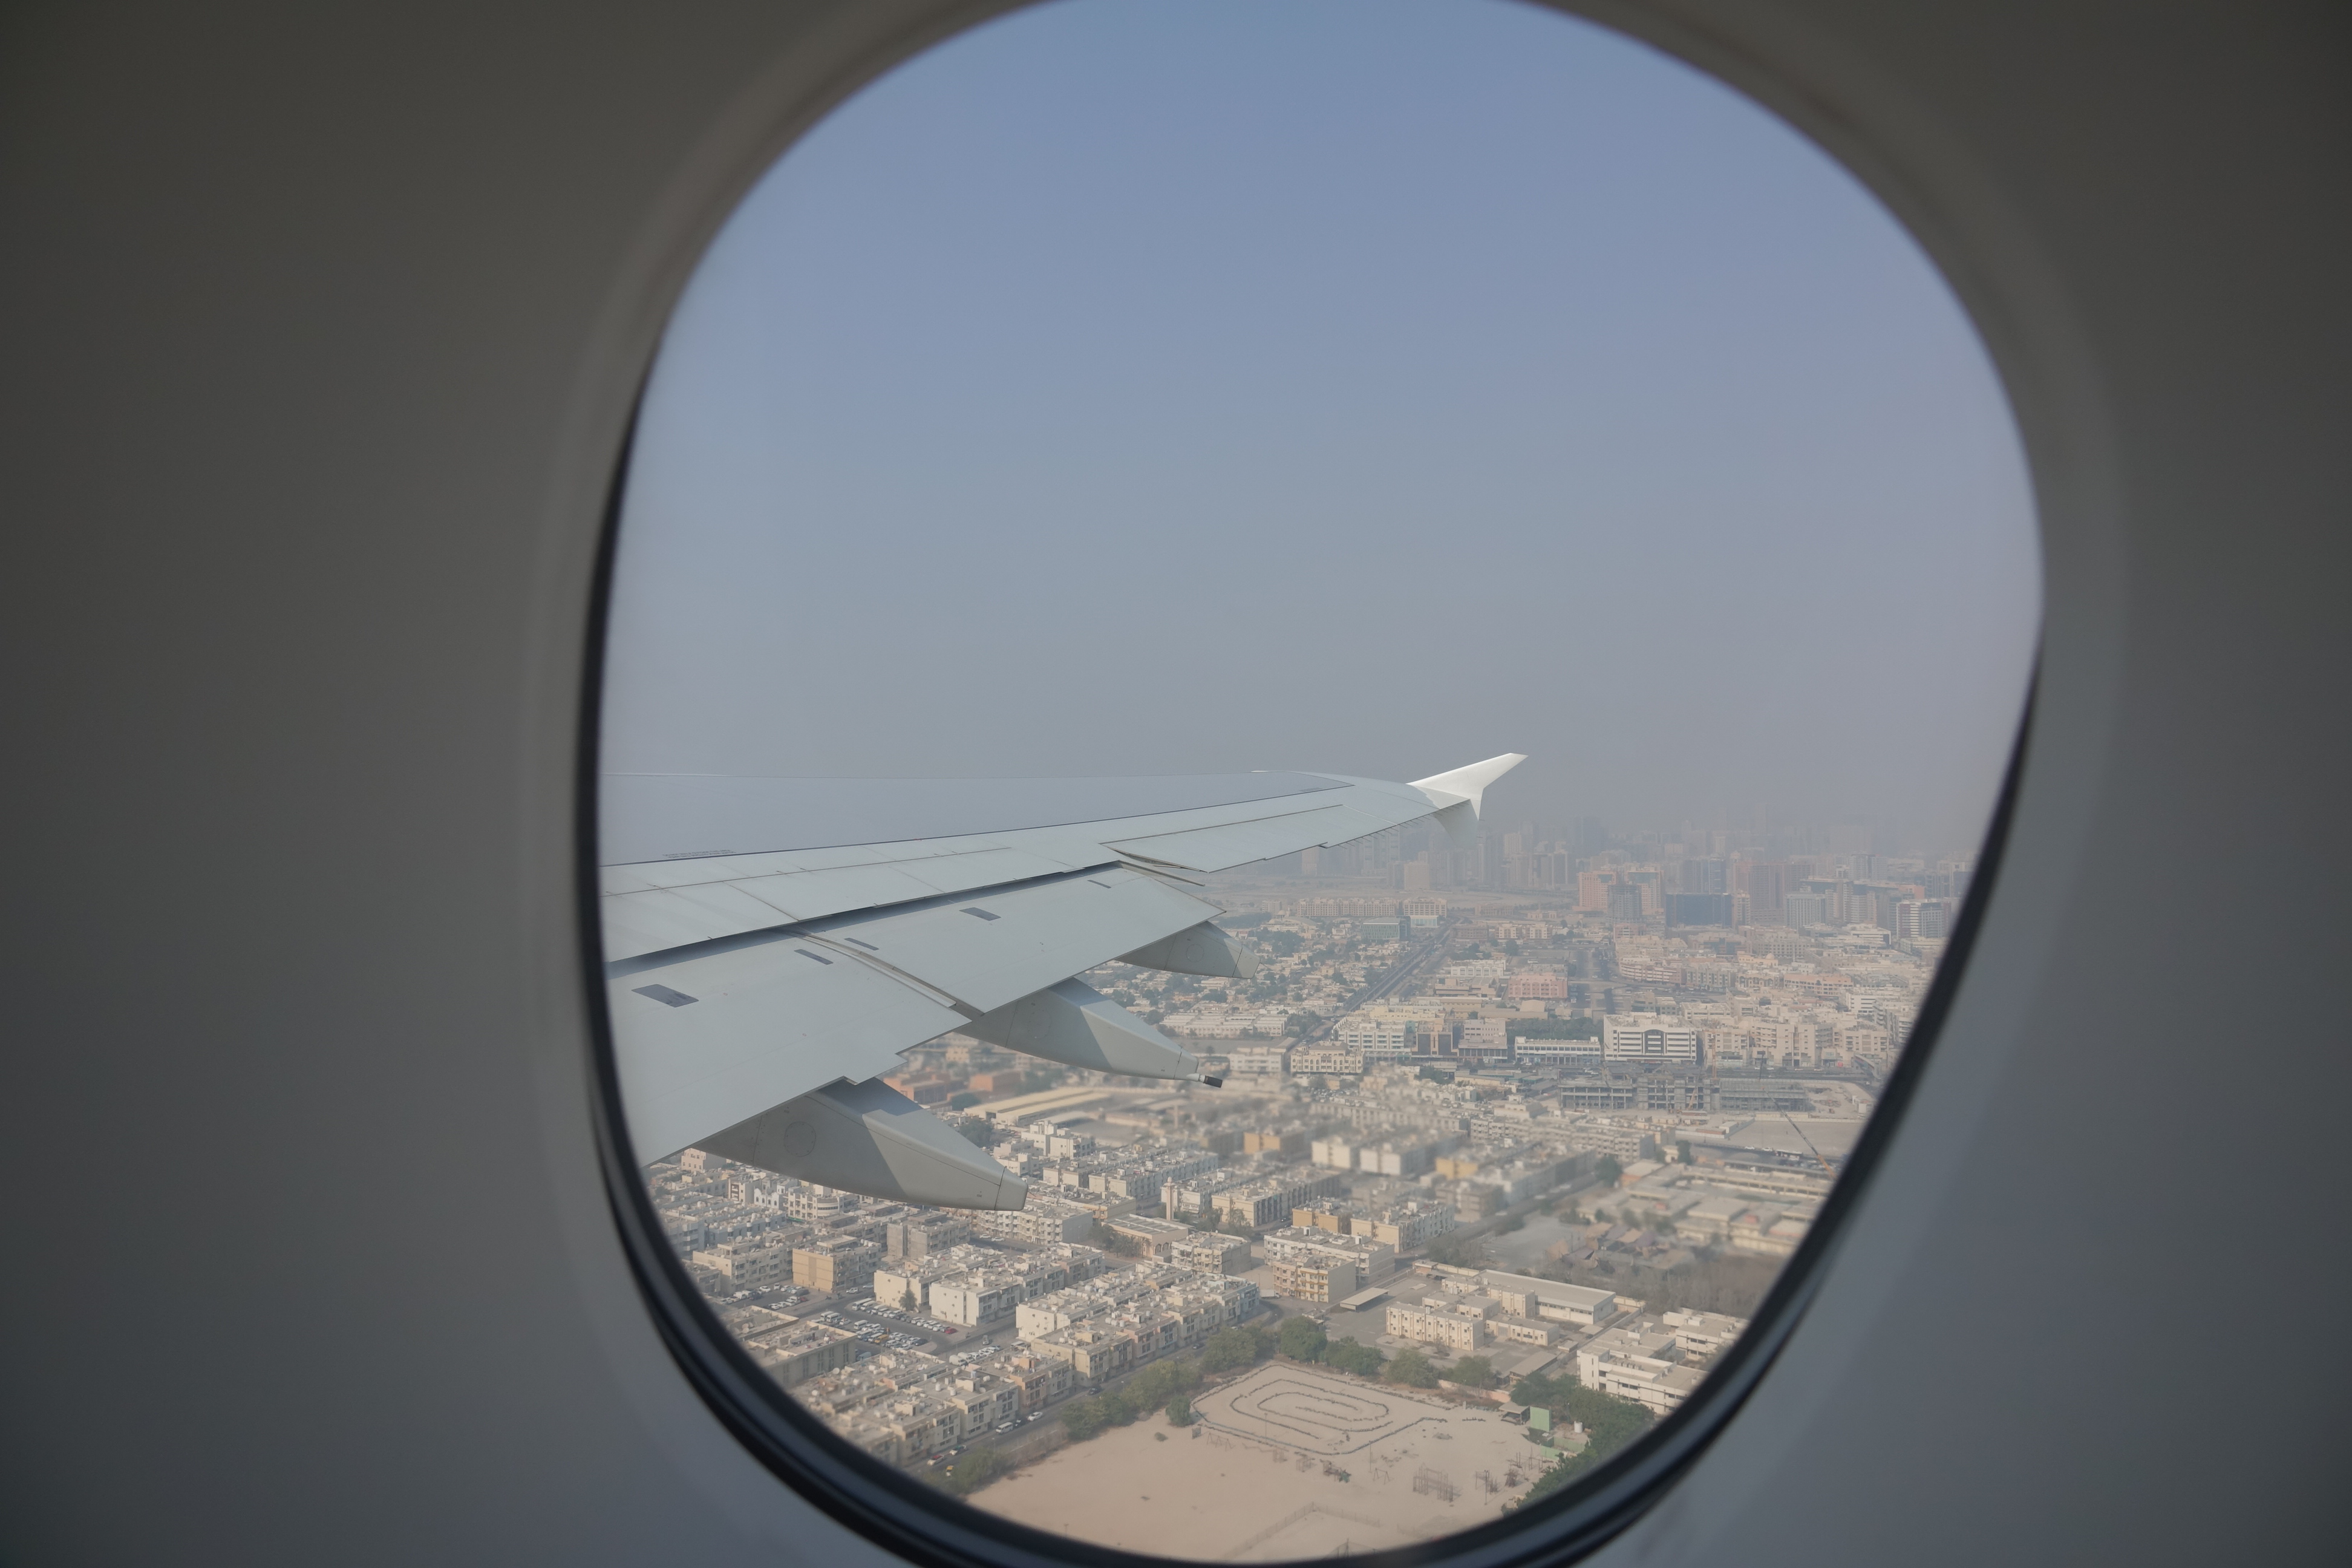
[{"x": 1144, "y": 386}]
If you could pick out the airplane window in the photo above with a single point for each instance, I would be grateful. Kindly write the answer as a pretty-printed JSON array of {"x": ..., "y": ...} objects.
[{"x": 1298, "y": 699}]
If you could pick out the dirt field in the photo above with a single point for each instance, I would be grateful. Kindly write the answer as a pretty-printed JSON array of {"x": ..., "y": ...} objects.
[{"x": 1258, "y": 1479}]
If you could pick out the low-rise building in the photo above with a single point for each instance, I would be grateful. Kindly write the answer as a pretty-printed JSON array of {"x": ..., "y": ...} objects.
[
  {"x": 905, "y": 1407},
  {"x": 1642, "y": 1363},
  {"x": 1573, "y": 1054},
  {"x": 1650, "y": 1038},
  {"x": 1525, "y": 1296},
  {"x": 1372, "y": 1258},
  {"x": 1267, "y": 1202},
  {"x": 1405, "y": 1226},
  {"x": 1704, "y": 1334},
  {"x": 977, "y": 1298},
  {"x": 1769, "y": 1232},
  {"x": 1397, "y": 1159},
  {"x": 1321, "y": 1280},
  {"x": 1043, "y": 1222},
  {"x": 1112, "y": 1324},
  {"x": 1152, "y": 1236},
  {"x": 1269, "y": 1060},
  {"x": 837, "y": 1265},
  {"x": 990, "y": 1287},
  {"x": 917, "y": 1236},
  {"x": 1457, "y": 1322},
  {"x": 1211, "y": 1253},
  {"x": 751, "y": 1268},
  {"x": 795, "y": 1351},
  {"x": 903, "y": 1283}
]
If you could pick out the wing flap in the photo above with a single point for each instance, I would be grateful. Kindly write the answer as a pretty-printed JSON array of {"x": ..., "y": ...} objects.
[
  {"x": 1233, "y": 844},
  {"x": 715, "y": 1037},
  {"x": 997, "y": 945},
  {"x": 720, "y": 1034},
  {"x": 647, "y": 920}
]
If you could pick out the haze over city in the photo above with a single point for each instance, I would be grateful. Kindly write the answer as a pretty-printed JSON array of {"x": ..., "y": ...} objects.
[{"x": 1474, "y": 379}]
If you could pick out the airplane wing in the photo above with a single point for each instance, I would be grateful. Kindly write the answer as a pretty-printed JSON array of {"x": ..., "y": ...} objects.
[{"x": 773, "y": 945}]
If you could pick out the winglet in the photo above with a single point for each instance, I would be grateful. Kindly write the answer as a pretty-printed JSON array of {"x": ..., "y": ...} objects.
[{"x": 1457, "y": 794}]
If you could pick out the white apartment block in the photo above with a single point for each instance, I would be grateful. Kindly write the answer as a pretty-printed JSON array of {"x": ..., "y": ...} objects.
[
  {"x": 1332, "y": 1154},
  {"x": 1044, "y": 1220},
  {"x": 903, "y": 1407},
  {"x": 1644, "y": 1364},
  {"x": 1649, "y": 1038},
  {"x": 1704, "y": 1334},
  {"x": 1339, "y": 1059},
  {"x": 1525, "y": 1296},
  {"x": 1556, "y": 1053},
  {"x": 1263, "y": 1060},
  {"x": 1318, "y": 1278},
  {"x": 1120, "y": 1321},
  {"x": 1306, "y": 1243},
  {"x": 976, "y": 1298},
  {"x": 1407, "y": 1225},
  {"x": 751, "y": 1268},
  {"x": 990, "y": 1287},
  {"x": 1457, "y": 1322}
]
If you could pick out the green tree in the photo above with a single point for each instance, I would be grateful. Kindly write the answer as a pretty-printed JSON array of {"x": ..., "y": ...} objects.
[
  {"x": 1229, "y": 1348},
  {"x": 1431, "y": 1075},
  {"x": 1180, "y": 1410},
  {"x": 1456, "y": 1251},
  {"x": 1349, "y": 1357},
  {"x": 1083, "y": 1418},
  {"x": 975, "y": 1470},
  {"x": 1412, "y": 1369},
  {"x": 1302, "y": 1339},
  {"x": 1682, "y": 1151},
  {"x": 1609, "y": 1170},
  {"x": 1511, "y": 948},
  {"x": 1609, "y": 1422},
  {"x": 1474, "y": 1372},
  {"x": 1160, "y": 1383},
  {"x": 1299, "y": 1024},
  {"x": 963, "y": 1101}
]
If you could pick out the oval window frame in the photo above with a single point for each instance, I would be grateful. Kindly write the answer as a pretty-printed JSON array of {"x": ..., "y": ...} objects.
[{"x": 923, "y": 1525}]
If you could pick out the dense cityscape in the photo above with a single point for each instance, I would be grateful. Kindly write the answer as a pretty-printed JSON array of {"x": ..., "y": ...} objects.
[{"x": 1511, "y": 1145}]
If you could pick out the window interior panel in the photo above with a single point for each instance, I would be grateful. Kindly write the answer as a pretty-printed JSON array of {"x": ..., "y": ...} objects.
[{"x": 1297, "y": 700}]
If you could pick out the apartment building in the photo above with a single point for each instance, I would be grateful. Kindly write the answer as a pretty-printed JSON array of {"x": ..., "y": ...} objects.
[
  {"x": 1457, "y": 1322},
  {"x": 836, "y": 1266}
]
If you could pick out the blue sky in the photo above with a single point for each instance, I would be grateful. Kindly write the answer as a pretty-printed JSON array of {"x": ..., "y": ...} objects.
[{"x": 1368, "y": 386}]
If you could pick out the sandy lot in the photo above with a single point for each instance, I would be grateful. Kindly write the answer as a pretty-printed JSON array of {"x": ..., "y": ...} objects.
[{"x": 1258, "y": 1479}]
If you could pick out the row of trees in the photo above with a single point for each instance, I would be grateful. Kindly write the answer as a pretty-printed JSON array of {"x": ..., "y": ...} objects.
[
  {"x": 1303, "y": 1339},
  {"x": 978, "y": 1467},
  {"x": 1163, "y": 1383}
]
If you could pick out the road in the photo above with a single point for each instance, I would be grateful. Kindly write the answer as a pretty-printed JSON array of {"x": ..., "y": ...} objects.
[
  {"x": 860, "y": 1314},
  {"x": 1387, "y": 983}
]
